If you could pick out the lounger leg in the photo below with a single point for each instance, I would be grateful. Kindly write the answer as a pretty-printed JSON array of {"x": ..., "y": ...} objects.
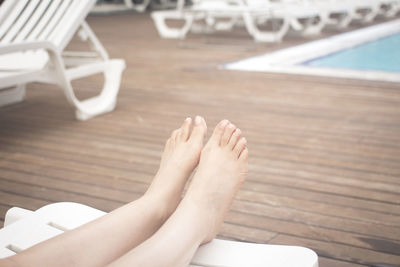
[
  {"x": 392, "y": 9},
  {"x": 226, "y": 25},
  {"x": 12, "y": 95},
  {"x": 106, "y": 100},
  {"x": 370, "y": 15},
  {"x": 160, "y": 18},
  {"x": 128, "y": 3},
  {"x": 265, "y": 36},
  {"x": 102, "y": 103},
  {"x": 314, "y": 28},
  {"x": 346, "y": 19},
  {"x": 141, "y": 7}
]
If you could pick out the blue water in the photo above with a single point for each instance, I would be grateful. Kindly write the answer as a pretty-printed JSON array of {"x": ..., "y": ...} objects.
[{"x": 380, "y": 55}]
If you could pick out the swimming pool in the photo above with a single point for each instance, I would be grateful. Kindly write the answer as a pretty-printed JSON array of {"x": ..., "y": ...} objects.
[
  {"x": 381, "y": 55},
  {"x": 372, "y": 53}
]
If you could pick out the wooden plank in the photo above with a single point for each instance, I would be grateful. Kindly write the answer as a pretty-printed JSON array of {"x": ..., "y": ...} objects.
[
  {"x": 313, "y": 219},
  {"x": 3, "y": 211},
  {"x": 320, "y": 208},
  {"x": 306, "y": 230},
  {"x": 326, "y": 262},
  {"x": 338, "y": 251},
  {"x": 52, "y": 195},
  {"x": 246, "y": 234},
  {"x": 28, "y": 169},
  {"x": 93, "y": 190},
  {"x": 16, "y": 200}
]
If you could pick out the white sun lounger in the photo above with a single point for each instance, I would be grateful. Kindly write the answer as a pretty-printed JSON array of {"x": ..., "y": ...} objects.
[
  {"x": 365, "y": 10},
  {"x": 305, "y": 17},
  {"x": 33, "y": 38},
  {"x": 338, "y": 14},
  {"x": 213, "y": 11},
  {"x": 24, "y": 228},
  {"x": 389, "y": 8},
  {"x": 140, "y": 7}
]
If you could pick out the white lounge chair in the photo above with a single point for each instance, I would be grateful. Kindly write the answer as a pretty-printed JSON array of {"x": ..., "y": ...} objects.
[
  {"x": 389, "y": 8},
  {"x": 338, "y": 14},
  {"x": 305, "y": 17},
  {"x": 140, "y": 7},
  {"x": 24, "y": 228},
  {"x": 221, "y": 15},
  {"x": 365, "y": 10},
  {"x": 33, "y": 38}
]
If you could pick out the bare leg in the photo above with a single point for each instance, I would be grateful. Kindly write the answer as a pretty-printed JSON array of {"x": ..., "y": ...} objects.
[
  {"x": 222, "y": 169},
  {"x": 103, "y": 240}
]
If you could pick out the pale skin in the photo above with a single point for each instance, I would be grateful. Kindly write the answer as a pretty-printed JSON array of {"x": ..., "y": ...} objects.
[{"x": 170, "y": 229}]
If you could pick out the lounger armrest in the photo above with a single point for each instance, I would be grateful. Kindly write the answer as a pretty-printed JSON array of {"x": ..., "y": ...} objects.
[{"x": 24, "y": 46}]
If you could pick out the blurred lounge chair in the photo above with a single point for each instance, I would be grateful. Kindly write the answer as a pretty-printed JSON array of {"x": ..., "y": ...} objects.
[
  {"x": 221, "y": 15},
  {"x": 254, "y": 14},
  {"x": 304, "y": 16},
  {"x": 140, "y": 7},
  {"x": 24, "y": 228},
  {"x": 338, "y": 14},
  {"x": 365, "y": 10},
  {"x": 389, "y": 8},
  {"x": 33, "y": 37}
]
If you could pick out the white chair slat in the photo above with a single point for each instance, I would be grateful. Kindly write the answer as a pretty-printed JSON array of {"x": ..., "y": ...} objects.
[
  {"x": 33, "y": 21},
  {"x": 44, "y": 20},
  {"x": 5, "y": 9},
  {"x": 22, "y": 20},
  {"x": 63, "y": 40},
  {"x": 5, "y": 252},
  {"x": 54, "y": 20},
  {"x": 67, "y": 22},
  {"x": 39, "y": 233},
  {"x": 12, "y": 17}
]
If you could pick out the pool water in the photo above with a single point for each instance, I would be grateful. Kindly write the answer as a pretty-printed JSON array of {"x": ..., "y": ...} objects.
[{"x": 379, "y": 55}]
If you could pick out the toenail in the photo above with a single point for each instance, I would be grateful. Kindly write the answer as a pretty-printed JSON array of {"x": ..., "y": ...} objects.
[
  {"x": 224, "y": 123},
  {"x": 231, "y": 126},
  {"x": 197, "y": 120},
  {"x": 188, "y": 119}
]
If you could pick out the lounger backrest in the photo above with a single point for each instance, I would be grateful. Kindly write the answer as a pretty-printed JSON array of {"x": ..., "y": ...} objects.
[{"x": 55, "y": 21}]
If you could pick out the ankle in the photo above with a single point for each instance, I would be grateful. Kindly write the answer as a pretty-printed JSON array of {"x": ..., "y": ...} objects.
[
  {"x": 205, "y": 218},
  {"x": 158, "y": 205}
]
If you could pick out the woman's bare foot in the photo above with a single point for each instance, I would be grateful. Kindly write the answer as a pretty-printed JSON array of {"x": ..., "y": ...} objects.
[
  {"x": 222, "y": 170},
  {"x": 180, "y": 157}
]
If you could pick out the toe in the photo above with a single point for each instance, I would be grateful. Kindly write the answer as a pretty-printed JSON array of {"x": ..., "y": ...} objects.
[
  {"x": 174, "y": 135},
  {"x": 218, "y": 132},
  {"x": 185, "y": 129},
  {"x": 240, "y": 145},
  {"x": 227, "y": 134},
  {"x": 199, "y": 129},
  {"x": 244, "y": 154},
  {"x": 234, "y": 138}
]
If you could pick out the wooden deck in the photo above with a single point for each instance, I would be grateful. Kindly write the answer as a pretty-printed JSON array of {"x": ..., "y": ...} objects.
[{"x": 324, "y": 152}]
